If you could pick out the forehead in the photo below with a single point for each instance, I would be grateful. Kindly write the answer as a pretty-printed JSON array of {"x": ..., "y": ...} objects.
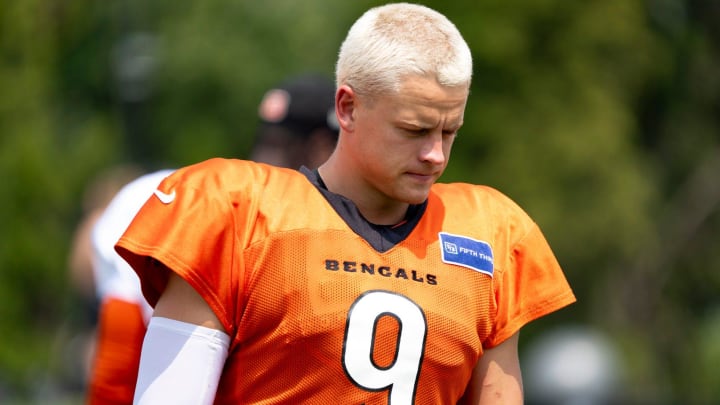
[
  {"x": 428, "y": 88},
  {"x": 423, "y": 99}
]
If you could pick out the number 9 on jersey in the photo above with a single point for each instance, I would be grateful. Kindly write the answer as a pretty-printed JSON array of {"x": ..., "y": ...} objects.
[{"x": 400, "y": 377}]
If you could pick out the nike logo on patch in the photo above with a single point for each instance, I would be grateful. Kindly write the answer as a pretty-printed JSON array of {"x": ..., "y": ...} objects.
[{"x": 164, "y": 197}]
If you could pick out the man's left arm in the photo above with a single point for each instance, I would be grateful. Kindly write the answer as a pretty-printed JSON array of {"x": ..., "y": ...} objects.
[{"x": 497, "y": 378}]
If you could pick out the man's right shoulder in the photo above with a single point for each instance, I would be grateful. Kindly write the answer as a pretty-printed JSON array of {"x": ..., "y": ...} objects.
[
  {"x": 228, "y": 173},
  {"x": 219, "y": 163}
]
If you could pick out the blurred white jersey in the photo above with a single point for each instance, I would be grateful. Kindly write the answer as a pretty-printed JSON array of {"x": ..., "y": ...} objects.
[{"x": 114, "y": 278}]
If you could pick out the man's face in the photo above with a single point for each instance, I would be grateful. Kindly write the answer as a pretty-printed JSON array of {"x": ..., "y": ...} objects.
[{"x": 403, "y": 140}]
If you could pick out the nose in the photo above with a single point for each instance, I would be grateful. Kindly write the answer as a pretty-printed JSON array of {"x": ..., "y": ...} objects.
[{"x": 433, "y": 149}]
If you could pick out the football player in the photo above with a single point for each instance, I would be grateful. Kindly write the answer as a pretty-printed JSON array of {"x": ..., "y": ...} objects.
[{"x": 363, "y": 281}]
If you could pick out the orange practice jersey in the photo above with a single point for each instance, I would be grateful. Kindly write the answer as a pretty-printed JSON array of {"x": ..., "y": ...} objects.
[{"x": 315, "y": 313}]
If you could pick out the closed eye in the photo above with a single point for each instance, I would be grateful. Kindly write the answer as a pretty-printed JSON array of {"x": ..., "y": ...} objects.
[
  {"x": 417, "y": 131},
  {"x": 427, "y": 131}
]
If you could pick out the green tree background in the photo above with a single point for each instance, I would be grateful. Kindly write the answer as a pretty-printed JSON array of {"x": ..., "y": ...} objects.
[{"x": 601, "y": 118}]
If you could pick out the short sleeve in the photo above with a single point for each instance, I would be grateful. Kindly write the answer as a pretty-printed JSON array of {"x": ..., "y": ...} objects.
[
  {"x": 530, "y": 286},
  {"x": 113, "y": 276},
  {"x": 187, "y": 225}
]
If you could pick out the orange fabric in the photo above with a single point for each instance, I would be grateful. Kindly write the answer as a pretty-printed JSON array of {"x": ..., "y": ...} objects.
[
  {"x": 121, "y": 330},
  {"x": 318, "y": 316}
]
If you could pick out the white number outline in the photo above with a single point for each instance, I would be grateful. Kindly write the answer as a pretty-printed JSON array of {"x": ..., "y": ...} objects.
[{"x": 401, "y": 376}]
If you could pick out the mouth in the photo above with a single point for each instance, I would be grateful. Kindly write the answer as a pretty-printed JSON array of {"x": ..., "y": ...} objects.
[{"x": 422, "y": 177}]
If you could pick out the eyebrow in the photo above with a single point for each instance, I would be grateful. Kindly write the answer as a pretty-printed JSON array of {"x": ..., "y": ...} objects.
[{"x": 418, "y": 124}]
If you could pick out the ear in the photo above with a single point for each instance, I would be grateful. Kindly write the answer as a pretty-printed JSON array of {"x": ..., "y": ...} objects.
[{"x": 345, "y": 104}]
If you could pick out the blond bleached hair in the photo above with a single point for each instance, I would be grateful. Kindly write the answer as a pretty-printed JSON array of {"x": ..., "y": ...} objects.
[{"x": 390, "y": 42}]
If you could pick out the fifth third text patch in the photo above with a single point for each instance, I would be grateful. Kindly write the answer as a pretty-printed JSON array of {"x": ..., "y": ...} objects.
[{"x": 467, "y": 252}]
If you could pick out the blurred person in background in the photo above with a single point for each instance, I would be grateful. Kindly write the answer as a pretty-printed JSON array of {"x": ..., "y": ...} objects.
[
  {"x": 296, "y": 128},
  {"x": 123, "y": 311},
  {"x": 363, "y": 281},
  {"x": 97, "y": 195}
]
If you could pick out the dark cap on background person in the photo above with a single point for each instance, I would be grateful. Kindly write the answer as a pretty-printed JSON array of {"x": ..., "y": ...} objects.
[
  {"x": 301, "y": 103},
  {"x": 298, "y": 125}
]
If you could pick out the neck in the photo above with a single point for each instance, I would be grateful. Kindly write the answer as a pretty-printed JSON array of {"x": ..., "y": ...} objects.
[{"x": 373, "y": 205}]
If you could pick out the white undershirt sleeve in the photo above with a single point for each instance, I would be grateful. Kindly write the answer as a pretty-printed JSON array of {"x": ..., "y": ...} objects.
[{"x": 181, "y": 363}]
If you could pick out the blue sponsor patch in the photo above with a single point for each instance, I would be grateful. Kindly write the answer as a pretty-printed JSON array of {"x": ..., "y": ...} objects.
[{"x": 467, "y": 252}]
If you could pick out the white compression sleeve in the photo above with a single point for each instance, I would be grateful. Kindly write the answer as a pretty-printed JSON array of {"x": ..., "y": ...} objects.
[{"x": 180, "y": 363}]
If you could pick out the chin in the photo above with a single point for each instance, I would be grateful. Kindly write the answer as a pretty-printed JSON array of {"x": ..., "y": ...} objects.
[{"x": 416, "y": 197}]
